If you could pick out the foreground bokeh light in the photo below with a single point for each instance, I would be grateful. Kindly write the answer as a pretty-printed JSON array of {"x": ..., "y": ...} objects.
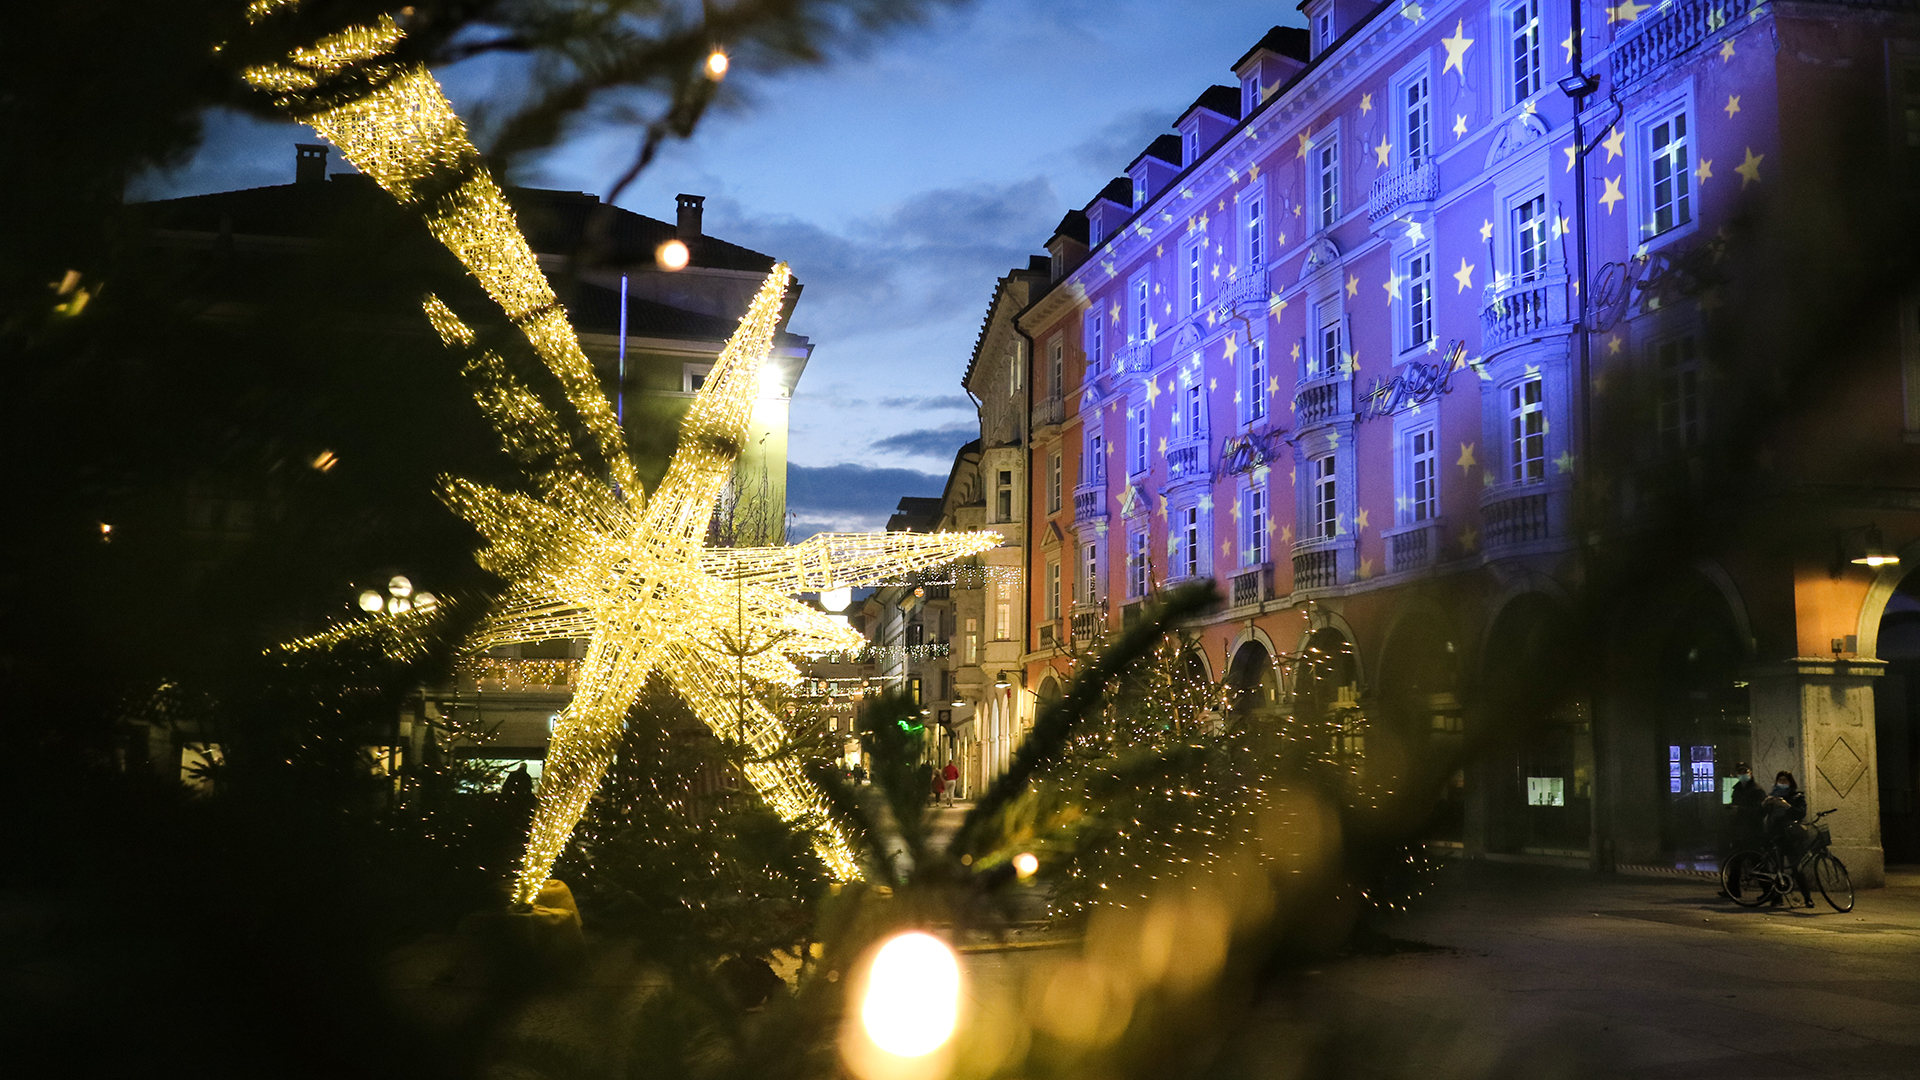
[
  {"x": 1026, "y": 864},
  {"x": 717, "y": 64},
  {"x": 672, "y": 255},
  {"x": 913, "y": 995}
]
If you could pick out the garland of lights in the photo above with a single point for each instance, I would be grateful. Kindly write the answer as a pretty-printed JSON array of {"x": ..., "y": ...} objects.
[{"x": 589, "y": 557}]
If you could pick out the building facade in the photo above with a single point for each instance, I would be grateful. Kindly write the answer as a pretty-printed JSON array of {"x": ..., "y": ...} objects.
[{"x": 1441, "y": 315}]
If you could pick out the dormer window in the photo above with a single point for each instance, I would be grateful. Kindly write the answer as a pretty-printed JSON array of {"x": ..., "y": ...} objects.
[
  {"x": 1320, "y": 23},
  {"x": 1192, "y": 142},
  {"x": 1139, "y": 191},
  {"x": 1095, "y": 233},
  {"x": 1252, "y": 86}
]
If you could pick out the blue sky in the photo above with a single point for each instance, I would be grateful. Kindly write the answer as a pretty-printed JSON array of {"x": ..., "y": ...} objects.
[{"x": 900, "y": 183}]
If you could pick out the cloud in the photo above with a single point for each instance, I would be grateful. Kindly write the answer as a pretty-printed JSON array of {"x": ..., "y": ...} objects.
[
  {"x": 1121, "y": 139},
  {"x": 929, "y": 402},
  {"x": 843, "y": 498},
  {"x": 938, "y": 442}
]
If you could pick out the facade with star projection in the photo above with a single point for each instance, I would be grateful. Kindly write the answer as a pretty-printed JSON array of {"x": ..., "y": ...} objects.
[{"x": 1324, "y": 346}]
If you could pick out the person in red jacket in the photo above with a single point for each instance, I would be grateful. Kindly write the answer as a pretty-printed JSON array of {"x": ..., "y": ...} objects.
[{"x": 952, "y": 775}]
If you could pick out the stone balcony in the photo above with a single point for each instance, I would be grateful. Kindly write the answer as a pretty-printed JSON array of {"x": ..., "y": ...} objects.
[
  {"x": 1321, "y": 563},
  {"x": 1090, "y": 501},
  {"x": 1526, "y": 311},
  {"x": 1681, "y": 27},
  {"x": 1087, "y": 621},
  {"x": 1413, "y": 547},
  {"x": 1251, "y": 586},
  {"x": 1245, "y": 295},
  {"x": 1322, "y": 401},
  {"x": 1134, "y": 357},
  {"x": 1523, "y": 516},
  {"x": 1188, "y": 460},
  {"x": 1407, "y": 188}
]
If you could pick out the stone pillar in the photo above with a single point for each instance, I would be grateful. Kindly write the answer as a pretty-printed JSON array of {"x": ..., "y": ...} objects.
[{"x": 1813, "y": 716}]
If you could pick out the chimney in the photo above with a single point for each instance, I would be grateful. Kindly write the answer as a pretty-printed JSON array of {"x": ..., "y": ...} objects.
[
  {"x": 310, "y": 163},
  {"x": 690, "y": 206}
]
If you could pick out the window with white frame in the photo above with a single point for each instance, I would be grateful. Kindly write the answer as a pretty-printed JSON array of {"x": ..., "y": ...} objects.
[
  {"x": 1094, "y": 232},
  {"x": 1002, "y": 615},
  {"x": 1254, "y": 209},
  {"x": 1253, "y": 391},
  {"x": 1140, "y": 292},
  {"x": 1053, "y": 590},
  {"x": 1329, "y": 340},
  {"x": 1137, "y": 563},
  {"x": 1191, "y": 545},
  {"x": 1677, "y": 370},
  {"x": 1417, "y": 290},
  {"x": 1325, "y": 157},
  {"x": 1096, "y": 458},
  {"x": 1005, "y": 495},
  {"x": 694, "y": 376},
  {"x": 1415, "y": 101},
  {"x": 1090, "y": 572},
  {"x": 1530, "y": 226},
  {"x": 1195, "y": 276},
  {"x": 1420, "y": 499},
  {"x": 1053, "y": 482},
  {"x": 1669, "y": 179},
  {"x": 1253, "y": 525},
  {"x": 1192, "y": 141},
  {"x": 1523, "y": 50},
  {"x": 1016, "y": 369},
  {"x": 1140, "y": 191},
  {"x": 1255, "y": 94},
  {"x": 1323, "y": 497},
  {"x": 1056, "y": 367},
  {"x": 973, "y": 641},
  {"x": 1193, "y": 407},
  {"x": 1320, "y": 20},
  {"x": 1096, "y": 339},
  {"x": 1137, "y": 444},
  {"x": 1526, "y": 431}
]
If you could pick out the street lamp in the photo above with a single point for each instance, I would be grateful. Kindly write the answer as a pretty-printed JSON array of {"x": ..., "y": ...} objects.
[{"x": 400, "y": 597}]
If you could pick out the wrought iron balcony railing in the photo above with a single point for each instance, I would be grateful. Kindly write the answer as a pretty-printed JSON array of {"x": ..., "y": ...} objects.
[
  {"x": 1048, "y": 411},
  {"x": 1133, "y": 357}
]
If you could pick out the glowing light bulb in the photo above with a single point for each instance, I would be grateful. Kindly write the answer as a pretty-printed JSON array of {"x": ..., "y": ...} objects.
[
  {"x": 372, "y": 601},
  {"x": 913, "y": 995},
  {"x": 672, "y": 255},
  {"x": 717, "y": 64},
  {"x": 399, "y": 586},
  {"x": 425, "y": 601},
  {"x": 1025, "y": 864}
]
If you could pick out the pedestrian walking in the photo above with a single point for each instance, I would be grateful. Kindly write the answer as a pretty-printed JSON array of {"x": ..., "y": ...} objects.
[{"x": 952, "y": 776}]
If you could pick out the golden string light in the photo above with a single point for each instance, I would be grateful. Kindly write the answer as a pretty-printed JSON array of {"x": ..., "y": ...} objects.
[{"x": 587, "y": 557}]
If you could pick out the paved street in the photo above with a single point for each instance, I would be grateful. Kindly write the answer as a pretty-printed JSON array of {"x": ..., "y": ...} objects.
[{"x": 1560, "y": 974}]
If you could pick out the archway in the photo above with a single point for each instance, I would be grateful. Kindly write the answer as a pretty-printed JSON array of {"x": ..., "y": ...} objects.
[
  {"x": 1252, "y": 684},
  {"x": 1896, "y": 723},
  {"x": 1418, "y": 723},
  {"x": 1535, "y": 786}
]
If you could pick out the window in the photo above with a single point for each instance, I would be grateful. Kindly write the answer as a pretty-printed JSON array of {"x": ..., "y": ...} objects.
[
  {"x": 1326, "y": 168},
  {"x": 1530, "y": 239},
  {"x": 1053, "y": 483},
  {"x": 1416, "y": 119},
  {"x": 1094, "y": 232},
  {"x": 1256, "y": 236},
  {"x": 1005, "y": 504},
  {"x": 1324, "y": 358},
  {"x": 1422, "y": 476},
  {"x": 1096, "y": 459},
  {"x": 1320, "y": 19},
  {"x": 1324, "y": 503},
  {"x": 1142, "y": 309},
  {"x": 1002, "y": 617},
  {"x": 1139, "y": 191},
  {"x": 1195, "y": 410},
  {"x": 973, "y": 641},
  {"x": 1137, "y": 417},
  {"x": 1527, "y": 432},
  {"x": 1419, "y": 297},
  {"x": 1016, "y": 369},
  {"x": 1137, "y": 564},
  {"x": 694, "y": 376},
  {"x": 1253, "y": 526},
  {"x": 1523, "y": 37},
  {"x": 1053, "y": 590},
  {"x": 1670, "y": 194},
  {"x": 1096, "y": 340},
  {"x": 1192, "y": 145},
  {"x": 1194, "y": 277},
  {"x": 1189, "y": 541},
  {"x": 1679, "y": 399},
  {"x": 1090, "y": 573},
  {"x": 1253, "y": 396},
  {"x": 1255, "y": 93}
]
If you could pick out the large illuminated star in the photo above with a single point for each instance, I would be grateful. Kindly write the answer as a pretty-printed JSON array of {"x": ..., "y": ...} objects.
[{"x": 587, "y": 555}]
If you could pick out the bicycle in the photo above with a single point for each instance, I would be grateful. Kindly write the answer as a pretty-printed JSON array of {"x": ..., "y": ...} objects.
[{"x": 1752, "y": 878}]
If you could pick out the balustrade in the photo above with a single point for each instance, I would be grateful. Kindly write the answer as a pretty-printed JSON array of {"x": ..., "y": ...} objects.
[
  {"x": 1187, "y": 460},
  {"x": 1317, "y": 403},
  {"x": 1408, "y": 182},
  {"x": 1316, "y": 568},
  {"x": 1527, "y": 310},
  {"x": 1048, "y": 411},
  {"x": 1252, "y": 586},
  {"x": 1090, "y": 501},
  {"x": 1517, "y": 519},
  {"x": 1412, "y": 548},
  {"x": 1653, "y": 46}
]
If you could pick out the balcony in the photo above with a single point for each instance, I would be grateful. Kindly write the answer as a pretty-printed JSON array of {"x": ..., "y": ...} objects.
[
  {"x": 1519, "y": 516},
  {"x": 1087, "y": 622},
  {"x": 1413, "y": 547},
  {"x": 1188, "y": 460},
  {"x": 1046, "y": 635},
  {"x": 1402, "y": 188},
  {"x": 1321, "y": 402},
  {"x": 1090, "y": 501},
  {"x": 1315, "y": 567},
  {"x": 1684, "y": 26},
  {"x": 1524, "y": 312},
  {"x": 1245, "y": 295},
  {"x": 1134, "y": 356},
  {"x": 1047, "y": 412},
  {"x": 1251, "y": 587}
]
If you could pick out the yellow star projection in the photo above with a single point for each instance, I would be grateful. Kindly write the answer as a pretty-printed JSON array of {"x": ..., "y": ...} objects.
[{"x": 589, "y": 556}]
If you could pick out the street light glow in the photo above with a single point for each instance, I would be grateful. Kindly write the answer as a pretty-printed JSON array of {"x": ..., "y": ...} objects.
[
  {"x": 717, "y": 64},
  {"x": 1025, "y": 864},
  {"x": 672, "y": 255},
  {"x": 913, "y": 995}
]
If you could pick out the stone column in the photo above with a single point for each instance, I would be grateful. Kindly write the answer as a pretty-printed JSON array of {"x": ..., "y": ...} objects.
[{"x": 1813, "y": 716}]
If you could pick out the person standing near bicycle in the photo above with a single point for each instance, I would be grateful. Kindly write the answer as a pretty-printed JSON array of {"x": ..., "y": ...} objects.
[
  {"x": 1785, "y": 808},
  {"x": 1746, "y": 830}
]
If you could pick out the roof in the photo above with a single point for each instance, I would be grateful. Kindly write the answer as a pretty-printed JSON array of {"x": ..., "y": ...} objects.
[
  {"x": 1166, "y": 148},
  {"x": 1119, "y": 190},
  {"x": 1073, "y": 226},
  {"x": 555, "y": 222},
  {"x": 1290, "y": 41},
  {"x": 916, "y": 513},
  {"x": 1224, "y": 100},
  {"x": 1039, "y": 269}
]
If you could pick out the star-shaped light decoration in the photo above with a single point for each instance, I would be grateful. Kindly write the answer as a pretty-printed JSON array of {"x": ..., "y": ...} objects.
[
  {"x": 1612, "y": 142},
  {"x": 587, "y": 554},
  {"x": 1612, "y": 194},
  {"x": 1749, "y": 169},
  {"x": 1459, "y": 125},
  {"x": 1456, "y": 47},
  {"x": 1383, "y": 152}
]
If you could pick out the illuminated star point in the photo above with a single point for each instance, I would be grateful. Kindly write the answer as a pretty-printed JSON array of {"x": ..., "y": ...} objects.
[{"x": 1456, "y": 47}]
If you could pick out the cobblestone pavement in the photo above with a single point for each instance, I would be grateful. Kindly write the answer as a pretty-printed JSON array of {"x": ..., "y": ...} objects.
[{"x": 1548, "y": 973}]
